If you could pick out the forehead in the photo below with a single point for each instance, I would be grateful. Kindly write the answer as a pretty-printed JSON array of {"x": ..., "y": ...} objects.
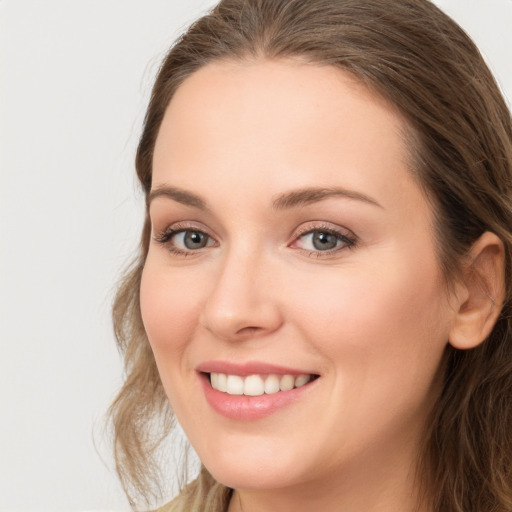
[{"x": 293, "y": 123}]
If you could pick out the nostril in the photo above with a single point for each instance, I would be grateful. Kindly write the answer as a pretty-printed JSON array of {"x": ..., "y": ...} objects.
[{"x": 248, "y": 330}]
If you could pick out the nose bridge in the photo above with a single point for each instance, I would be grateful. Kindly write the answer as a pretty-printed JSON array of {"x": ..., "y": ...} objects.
[{"x": 241, "y": 301}]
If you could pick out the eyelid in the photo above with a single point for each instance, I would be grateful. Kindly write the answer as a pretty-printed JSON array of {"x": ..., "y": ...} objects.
[
  {"x": 182, "y": 226},
  {"x": 344, "y": 234},
  {"x": 164, "y": 235}
]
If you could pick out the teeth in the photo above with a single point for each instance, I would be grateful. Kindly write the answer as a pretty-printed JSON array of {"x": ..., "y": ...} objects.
[
  {"x": 271, "y": 384},
  {"x": 255, "y": 385},
  {"x": 301, "y": 380},
  {"x": 287, "y": 382},
  {"x": 235, "y": 385},
  {"x": 222, "y": 382}
]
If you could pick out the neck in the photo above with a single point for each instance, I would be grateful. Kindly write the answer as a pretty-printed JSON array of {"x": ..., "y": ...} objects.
[{"x": 377, "y": 482}]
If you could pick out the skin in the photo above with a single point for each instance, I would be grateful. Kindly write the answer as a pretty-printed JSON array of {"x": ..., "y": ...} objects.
[{"x": 372, "y": 319}]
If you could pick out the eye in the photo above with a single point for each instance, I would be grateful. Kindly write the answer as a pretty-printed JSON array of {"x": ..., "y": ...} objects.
[
  {"x": 184, "y": 241},
  {"x": 323, "y": 240},
  {"x": 190, "y": 239}
]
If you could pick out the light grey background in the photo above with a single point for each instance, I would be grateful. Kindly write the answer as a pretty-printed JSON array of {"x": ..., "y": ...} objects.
[{"x": 74, "y": 82}]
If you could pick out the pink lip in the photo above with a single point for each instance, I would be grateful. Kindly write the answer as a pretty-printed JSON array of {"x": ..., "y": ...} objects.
[
  {"x": 249, "y": 368},
  {"x": 249, "y": 408}
]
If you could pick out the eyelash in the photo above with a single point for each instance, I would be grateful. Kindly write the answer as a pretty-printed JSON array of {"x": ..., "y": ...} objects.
[
  {"x": 165, "y": 236},
  {"x": 348, "y": 239}
]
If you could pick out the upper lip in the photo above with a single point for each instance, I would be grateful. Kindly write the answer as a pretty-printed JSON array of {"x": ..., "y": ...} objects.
[{"x": 248, "y": 368}]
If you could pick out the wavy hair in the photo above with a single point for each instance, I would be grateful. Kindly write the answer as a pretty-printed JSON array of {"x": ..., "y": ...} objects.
[{"x": 460, "y": 139}]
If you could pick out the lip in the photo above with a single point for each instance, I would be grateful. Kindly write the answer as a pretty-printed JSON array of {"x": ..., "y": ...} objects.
[
  {"x": 250, "y": 408},
  {"x": 249, "y": 368}
]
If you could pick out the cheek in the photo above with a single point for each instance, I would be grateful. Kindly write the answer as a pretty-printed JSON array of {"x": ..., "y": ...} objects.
[
  {"x": 170, "y": 311},
  {"x": 370, "y": 307},
  {"x": 383, "y": 327}
]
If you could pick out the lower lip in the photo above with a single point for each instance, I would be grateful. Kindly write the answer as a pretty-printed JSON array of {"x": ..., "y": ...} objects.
[{"x": 248, "y": 408}]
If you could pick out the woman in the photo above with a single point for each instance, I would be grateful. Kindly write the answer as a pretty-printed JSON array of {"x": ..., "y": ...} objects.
[{"x": 322, "y": 293}]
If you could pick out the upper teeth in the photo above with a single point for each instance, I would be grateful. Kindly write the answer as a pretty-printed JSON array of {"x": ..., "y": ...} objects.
[{"x": 255, "y": 385}]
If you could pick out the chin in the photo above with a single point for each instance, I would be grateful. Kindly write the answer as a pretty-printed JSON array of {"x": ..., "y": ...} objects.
[
  {"x": 250, "y": 478},
  {"x": 240, "y": 471}
]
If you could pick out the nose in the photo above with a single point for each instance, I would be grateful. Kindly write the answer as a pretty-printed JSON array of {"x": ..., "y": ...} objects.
[{"x": 243, "y": 301}]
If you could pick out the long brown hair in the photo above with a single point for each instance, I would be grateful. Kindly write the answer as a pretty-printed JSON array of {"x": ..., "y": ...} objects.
[{"x": 460, "y": 139}]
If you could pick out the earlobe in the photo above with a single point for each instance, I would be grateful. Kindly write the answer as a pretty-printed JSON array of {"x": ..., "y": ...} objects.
[{"x": 480, "y": 303}]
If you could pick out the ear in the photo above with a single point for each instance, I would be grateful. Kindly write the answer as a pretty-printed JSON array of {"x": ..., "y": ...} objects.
[{"x": 481, "y": 294}]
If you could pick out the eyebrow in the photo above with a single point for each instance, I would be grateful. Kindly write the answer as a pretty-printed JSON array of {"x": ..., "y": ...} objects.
[
  {"x": 305, "y": 196},
  {"x": 287, "y": 200},
  {"x": 179, "y": 195}
]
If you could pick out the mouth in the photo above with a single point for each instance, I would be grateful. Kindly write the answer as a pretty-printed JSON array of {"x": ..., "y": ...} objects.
[
  {"x": 257, "y": 384},
  {"x": 253, "y": 390}
]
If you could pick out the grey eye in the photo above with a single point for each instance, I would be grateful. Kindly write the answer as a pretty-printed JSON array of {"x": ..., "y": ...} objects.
[
  {"x": 193, "y": 239},
  {"x": 324, "y": 241}
]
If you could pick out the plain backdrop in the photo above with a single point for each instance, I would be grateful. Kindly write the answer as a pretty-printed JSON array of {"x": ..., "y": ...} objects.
[{"x": 75, "y": 77}]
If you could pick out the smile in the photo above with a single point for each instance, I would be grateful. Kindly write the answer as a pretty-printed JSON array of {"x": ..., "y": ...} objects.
[
  {"x": 253, "y": 390},
  {"x": 257, "y": 385}
]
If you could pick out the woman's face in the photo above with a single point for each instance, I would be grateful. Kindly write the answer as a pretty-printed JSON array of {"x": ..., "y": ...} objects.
[{"x": 291, "y": 244}]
